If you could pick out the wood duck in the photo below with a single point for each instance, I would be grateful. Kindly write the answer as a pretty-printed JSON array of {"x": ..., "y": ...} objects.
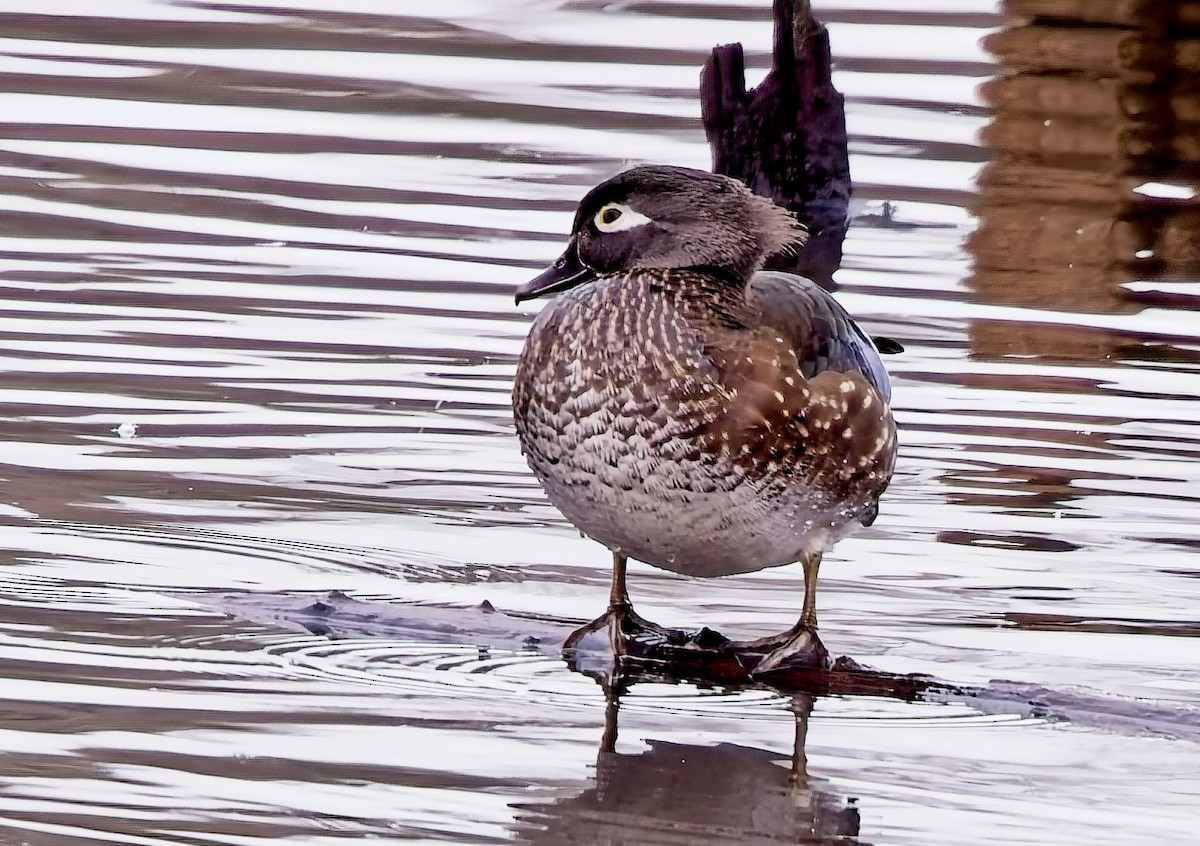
[{"x": 685, "y": 408}]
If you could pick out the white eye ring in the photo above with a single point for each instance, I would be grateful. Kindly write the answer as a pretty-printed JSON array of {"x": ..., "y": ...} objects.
[{"x": 626, "y": 218}]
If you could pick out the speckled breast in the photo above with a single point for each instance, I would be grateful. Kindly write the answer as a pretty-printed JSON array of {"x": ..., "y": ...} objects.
[{"x": 637, "y": 433}]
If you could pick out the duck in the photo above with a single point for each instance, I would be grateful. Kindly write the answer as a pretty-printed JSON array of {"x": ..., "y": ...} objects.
[{"x": 686, "y": 408}]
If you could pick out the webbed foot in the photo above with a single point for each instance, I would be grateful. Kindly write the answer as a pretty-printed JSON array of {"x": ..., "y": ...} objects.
[
  {"x": 626, "y": 633},
  {"x": 799, "y": 648}
]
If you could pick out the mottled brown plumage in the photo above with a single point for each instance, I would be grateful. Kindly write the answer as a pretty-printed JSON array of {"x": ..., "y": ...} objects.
[{"x": 686, "y": 410}]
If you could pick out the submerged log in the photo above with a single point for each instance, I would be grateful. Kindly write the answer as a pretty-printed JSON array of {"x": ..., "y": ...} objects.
[{"x": 785, "y": 139}]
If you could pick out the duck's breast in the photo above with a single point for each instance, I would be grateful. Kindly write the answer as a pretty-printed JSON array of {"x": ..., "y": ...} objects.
[{"x": 667, "y": 428}]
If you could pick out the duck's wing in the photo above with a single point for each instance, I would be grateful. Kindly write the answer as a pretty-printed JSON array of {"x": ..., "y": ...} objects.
[
  {"x": 801, "y": 387},
  {"x": 821, "y": 332}
]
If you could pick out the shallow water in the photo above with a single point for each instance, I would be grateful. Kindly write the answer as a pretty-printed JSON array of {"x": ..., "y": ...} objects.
[{"x": 258, "y": 338}]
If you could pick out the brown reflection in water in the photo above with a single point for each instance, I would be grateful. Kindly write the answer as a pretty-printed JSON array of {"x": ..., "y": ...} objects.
[
  {"x": 1096, "y": 99},
  {"x": 1092, "y": 182},
  {"x": 675, "y": 793}
]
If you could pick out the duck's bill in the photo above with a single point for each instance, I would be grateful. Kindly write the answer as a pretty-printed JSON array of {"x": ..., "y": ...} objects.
[{"x": 566, "y": 272}]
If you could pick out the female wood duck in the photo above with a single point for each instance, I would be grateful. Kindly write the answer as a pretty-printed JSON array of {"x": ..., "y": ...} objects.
[{"x": 686, "y": 408}]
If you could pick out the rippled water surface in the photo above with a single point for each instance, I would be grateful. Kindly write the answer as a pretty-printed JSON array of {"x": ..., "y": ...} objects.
[{"x": 258, "y": 339}]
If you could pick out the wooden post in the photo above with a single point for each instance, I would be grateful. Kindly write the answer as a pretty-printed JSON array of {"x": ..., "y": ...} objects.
[{"x": 785, "y": 139}]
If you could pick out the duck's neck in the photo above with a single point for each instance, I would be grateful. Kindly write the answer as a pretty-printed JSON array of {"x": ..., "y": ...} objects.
[
  {"x": 706, "y": 293},
  {"x": 725, "y": 275}
]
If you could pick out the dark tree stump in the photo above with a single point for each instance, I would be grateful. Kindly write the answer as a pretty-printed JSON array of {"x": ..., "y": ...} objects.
[{"x": 785, "y": 139}]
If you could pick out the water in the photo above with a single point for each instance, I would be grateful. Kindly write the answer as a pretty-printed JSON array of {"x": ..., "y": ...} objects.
[{"x": 258, "y": 338}]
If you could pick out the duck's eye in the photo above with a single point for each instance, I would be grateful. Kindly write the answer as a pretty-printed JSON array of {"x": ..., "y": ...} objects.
[{"x": 617, "y": 217}]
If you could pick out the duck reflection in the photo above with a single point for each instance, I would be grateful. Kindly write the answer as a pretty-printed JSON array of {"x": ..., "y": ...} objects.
[{"x": 681, "y": 793}]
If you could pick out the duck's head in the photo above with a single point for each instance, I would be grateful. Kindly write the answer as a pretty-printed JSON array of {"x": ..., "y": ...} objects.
[{"x": 662, "y": 217}]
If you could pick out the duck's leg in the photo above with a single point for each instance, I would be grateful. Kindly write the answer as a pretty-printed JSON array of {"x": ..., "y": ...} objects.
[
  {"x": 621, "y": 623},
  {"x": 618, "y": 594},
  {"x": 799, "y": 648}
]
